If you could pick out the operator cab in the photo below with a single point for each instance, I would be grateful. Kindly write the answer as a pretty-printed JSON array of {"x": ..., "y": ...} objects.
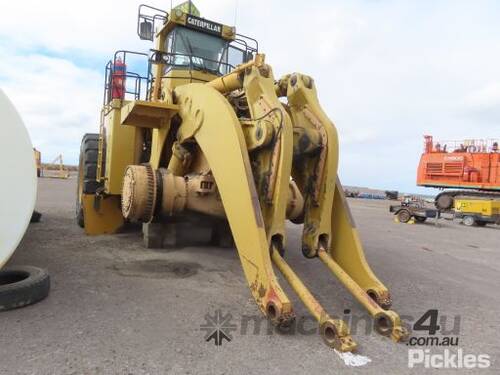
[
  {"x": 186, "y": 41},
  {"x": 187, "y": 48}
]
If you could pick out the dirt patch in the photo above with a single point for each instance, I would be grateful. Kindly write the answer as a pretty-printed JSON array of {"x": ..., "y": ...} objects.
[{"x": 157, "y": 269}]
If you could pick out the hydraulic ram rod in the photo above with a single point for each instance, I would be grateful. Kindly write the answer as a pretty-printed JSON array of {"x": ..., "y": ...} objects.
[
  {"x": 335, "y": 332},
  {"x": 387, "y": 323}
]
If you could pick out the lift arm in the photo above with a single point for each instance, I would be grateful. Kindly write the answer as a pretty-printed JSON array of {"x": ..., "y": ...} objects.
[
  {"x": 329, "y": 231},
  {"x": 315, "y": 172},
  {"x": 208, "y": 118},
  {"x": 272, "y": 165}
]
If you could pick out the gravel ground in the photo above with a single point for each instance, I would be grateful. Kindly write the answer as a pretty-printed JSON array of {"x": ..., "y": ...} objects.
[{"x": 117, "y": 308}]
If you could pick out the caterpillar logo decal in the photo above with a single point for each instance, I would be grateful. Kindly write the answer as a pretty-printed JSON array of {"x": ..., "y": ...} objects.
[{"x": 203, "y": 25}]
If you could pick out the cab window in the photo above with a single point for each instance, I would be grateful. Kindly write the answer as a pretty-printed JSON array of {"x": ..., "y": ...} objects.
[{"x": 197, "y": 50}]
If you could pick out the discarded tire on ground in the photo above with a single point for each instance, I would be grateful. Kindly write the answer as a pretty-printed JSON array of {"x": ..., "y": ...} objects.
[{"x": 22, "y": 286}]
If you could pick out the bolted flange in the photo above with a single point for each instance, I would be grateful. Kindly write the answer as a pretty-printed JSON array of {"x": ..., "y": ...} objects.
[{"x": 139, "y": 193}]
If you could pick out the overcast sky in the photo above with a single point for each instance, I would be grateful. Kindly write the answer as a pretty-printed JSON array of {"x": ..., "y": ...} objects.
[{"x": 387, "y": 72}]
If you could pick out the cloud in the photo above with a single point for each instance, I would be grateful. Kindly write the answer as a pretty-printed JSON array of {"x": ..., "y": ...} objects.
[
  {"x": 483, "y": 104},
  {"x": 92, "y": 26},
  {"x": 387, "y": 72},
  {"x": 58, "y": 100}
]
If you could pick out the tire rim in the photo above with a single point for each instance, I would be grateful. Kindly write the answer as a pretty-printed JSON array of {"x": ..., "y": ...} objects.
[
  {"x": 404, "y": 216},
  {"x": 468, "y": 220}
]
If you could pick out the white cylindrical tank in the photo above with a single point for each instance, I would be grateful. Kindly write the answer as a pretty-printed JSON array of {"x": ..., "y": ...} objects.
[{"x": 18, "y": 180}]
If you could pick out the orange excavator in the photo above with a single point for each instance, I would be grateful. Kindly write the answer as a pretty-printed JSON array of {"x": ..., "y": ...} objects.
[{"x": 470, "y": 167}]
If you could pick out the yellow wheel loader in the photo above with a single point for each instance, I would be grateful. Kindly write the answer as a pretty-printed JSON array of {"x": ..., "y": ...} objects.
[{"x": 204, "y": 127}]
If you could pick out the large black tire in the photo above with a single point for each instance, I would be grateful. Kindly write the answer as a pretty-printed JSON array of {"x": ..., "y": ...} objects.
[
  {"x": 420, "y": 219},
  {"x": 22, "y": 286},
  {"x": 87, "y": 172}
]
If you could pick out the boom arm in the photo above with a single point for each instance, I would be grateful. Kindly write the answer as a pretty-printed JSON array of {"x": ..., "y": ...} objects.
[
  {"x": 206, "y": 115},
  {"x": 238, "y": 151}
]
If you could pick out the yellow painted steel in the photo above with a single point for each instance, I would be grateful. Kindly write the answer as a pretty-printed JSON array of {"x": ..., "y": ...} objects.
[
  {"x": 145, "y": 114},
  {"x": 347, "y": 251},
  {"x": 478, "y": 206},
  {"x": 56, "y": 169},
  {"x": 102, "y": 215},
  {"x": 272, "y": 165},
  {"x": 335, "y": 332},
  {"x": 235, "y": 132},
  {"x": 179, "y": 17},
  {"x": 233, "y": 80},
  {"x": 178, "y": 77},
  {"x": 187, "y": 7},
  {"x": 38, "y": 162},
  {"x": 206, "y": 113},
  {"x": 314, "y": 174},
  {"x": 387, "y": 322},
  {"x": 121, "y": 142},
  {"x": 350, "y": 284}
]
